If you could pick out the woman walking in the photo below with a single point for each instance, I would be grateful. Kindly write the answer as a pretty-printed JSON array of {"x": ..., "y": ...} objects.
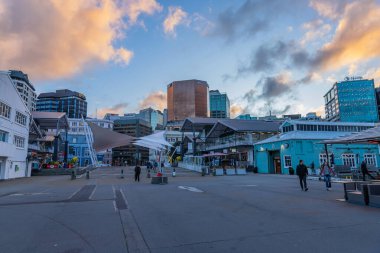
[{"x": 326, "y": 172}]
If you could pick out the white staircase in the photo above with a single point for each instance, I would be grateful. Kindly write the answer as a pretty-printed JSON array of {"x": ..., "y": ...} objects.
[{"x": 90, "y": 141}]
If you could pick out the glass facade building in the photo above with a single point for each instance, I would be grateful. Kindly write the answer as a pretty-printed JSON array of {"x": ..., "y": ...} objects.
[
  {"x": 219, "y": 105},
  {"x": 73, "y": 103},
  {"x": 187, "y": 98},
  {"x": 352, "y": 100},
  {"x": 154, "y": 117}
]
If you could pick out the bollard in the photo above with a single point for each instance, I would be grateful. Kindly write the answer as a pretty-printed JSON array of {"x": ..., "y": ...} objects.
[
  {"x": 148, "y": 175},
  {"x": 122, "y": 173},
  {"x": 73, "y": 176},
  {"x": 87, "y": 174},
  {"x": 173, "y": 173}
]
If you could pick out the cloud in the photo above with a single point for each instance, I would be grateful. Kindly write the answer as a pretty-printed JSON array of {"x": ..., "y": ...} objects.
[
  {"x": 156, "y": 100},
  {"x": 175, "y": 17},
  {"x": 266, "y": 57},
  {"x": 116, "y": 109},
  {"x": 52, "y": 39},
  {"x": 356, "y": 39},
  {"x": 247, "y": 20},
  {"x": 315, "y": 29},
  {"x": 329, "y": 8},
  {"x": 236, "y": 110},
  {"x": 135, "y": 8},
  {"x": 275, "y": 86}
]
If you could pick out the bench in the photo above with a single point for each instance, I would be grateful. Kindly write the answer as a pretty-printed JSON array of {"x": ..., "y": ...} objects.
[
  {"x": 343, "y": 171},
  {"x": 374, "y": 195},
  {"x": 356, "y": 192}
]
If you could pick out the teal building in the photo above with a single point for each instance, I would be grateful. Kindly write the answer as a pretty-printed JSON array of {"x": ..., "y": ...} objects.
[
  {"x": 352, "y": 100},
  {"x": 219, "y": 105},
  {"x": 301, "y": 140}
]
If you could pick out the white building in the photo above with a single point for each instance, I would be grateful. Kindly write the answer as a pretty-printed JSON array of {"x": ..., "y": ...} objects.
[
  {"x": 25, "y": 88},
  {"x": 14, "y": 131}
]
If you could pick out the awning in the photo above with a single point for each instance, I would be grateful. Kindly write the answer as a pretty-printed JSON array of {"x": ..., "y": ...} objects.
[
  {"x": 51, "y": 120},
  {"x": 215, "y": 154},
  {"x": 105, "y": 138},
  {"x": 369, "y": 136}
]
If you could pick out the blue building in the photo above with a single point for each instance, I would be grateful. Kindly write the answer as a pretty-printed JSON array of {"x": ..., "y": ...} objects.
[
  {"x": 154, "y": 117},
  {"x": 301, "y": 140},
  {"x": 219, "y": 104},
  {"x": 352, "y": 100},
  {"x": 78, "y": 146},
  {"x": 73, "y": 103}
]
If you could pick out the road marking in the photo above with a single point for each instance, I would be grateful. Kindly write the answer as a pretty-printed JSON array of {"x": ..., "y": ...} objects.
[
  {"x": 247, "y": 185},
  {"x": 92, "y": 194},
  {"x": 125, "y": 199},
  {"x": 189, "y": 188},
  {"x": 74, "y": 193},
  {"x": 114, "y": 205},
  {"x": 28, "y": 194},
  {"x": 341, "y": 200}
]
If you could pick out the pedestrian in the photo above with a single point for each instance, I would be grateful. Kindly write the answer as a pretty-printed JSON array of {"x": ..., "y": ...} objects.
[
  {"x": 137, "y": 173},
  {"x": 326, "y": 172},
  {"x": 364, "y": 170},
  {"x": 302, "y": 175},
  {"x": 155, "y": 165}
]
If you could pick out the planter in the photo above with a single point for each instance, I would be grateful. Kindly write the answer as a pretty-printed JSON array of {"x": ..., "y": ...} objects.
[
  {"x": 241, "y": 171},
  {"x": 159, "y": 180},
  {"x": 230, "y": 172},
  {"x": 218, "y": 172}
]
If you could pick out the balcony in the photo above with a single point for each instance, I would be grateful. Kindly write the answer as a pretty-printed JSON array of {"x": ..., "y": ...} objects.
[{"x": 39, "y": 148}]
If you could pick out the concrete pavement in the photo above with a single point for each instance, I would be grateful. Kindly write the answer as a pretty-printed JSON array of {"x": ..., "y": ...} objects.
[{"x": 253, "y": 213}]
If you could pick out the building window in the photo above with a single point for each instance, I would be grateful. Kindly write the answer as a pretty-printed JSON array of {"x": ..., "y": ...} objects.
[
  {"x": 5, "y": 110},
  {"x": 3, "y": 136},
  {"x": 349, "y": 160},
  {"x": 74, "y": 140},
  {"x": 86, "y": 152},
  {"x": 287, "y": 161},
  {"x": 20, "y": 118},
  {"x": 370, "y": 159},
  {"x": 322, "y": 158},
  {"x": 19, "y": 141}
]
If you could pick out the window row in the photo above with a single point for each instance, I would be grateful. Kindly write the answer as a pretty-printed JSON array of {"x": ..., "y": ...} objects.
[
  {"x": 351, "y": 160},
  {"x": 5, "y": 111}
]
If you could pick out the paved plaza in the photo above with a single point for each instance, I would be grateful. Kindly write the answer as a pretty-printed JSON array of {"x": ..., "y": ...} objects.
[{"x": 253, "y": 213}]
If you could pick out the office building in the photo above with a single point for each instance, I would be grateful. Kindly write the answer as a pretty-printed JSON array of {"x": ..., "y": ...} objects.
[
  {"x": 131, "y": 154},
  {"x": 73, "y": 103},
  {"x": 78, "y": 145},
  {"x": 25, "y": 88},
  {"x": 14, "y": 130},
  {"x": 219, "y": 105},
  {"x": 352, "y": 100},
  {"x": 154, "y": 117},
  {"x": 189, "y": 98}
]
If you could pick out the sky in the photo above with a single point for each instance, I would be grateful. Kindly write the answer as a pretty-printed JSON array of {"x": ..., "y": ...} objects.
[{"x": 278, "y": 56}]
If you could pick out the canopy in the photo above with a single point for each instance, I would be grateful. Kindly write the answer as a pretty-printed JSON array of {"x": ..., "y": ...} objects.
[
  {"x": 51, "y": 120},
  {"x": 154, "y": 141},
  {"x": 105, "y": 139},
  {"x": 371, "y": 136},
  {"x": 158, "y": 138}
]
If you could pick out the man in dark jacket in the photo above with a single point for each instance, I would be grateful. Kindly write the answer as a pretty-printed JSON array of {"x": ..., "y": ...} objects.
[
  {"x": 302, "y": 174},
  {"x": 365, "y": 171},
  {"x": 137, "y": 173}
]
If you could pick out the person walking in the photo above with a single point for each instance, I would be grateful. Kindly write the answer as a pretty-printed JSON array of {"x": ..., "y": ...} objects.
[
  {"x": 365, "y": 171},
  {"x": 137, "y": 173},
  {"x": 326, "y": 172},
  {"x": 302, "y": 173}
]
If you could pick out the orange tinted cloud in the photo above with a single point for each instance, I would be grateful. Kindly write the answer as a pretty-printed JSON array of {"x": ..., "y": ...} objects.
[
  {"x": 116, "y": 109},
  {"x": 175, "y": 17},
  {"x": 156, "y": 100},
  {"x": 236, "y": 110},
  {"x": 357, "y": 37},
  {"x": 52, "y": 38}
]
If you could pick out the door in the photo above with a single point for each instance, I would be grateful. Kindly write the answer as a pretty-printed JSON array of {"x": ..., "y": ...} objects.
[{"x": 277, "y": 165}]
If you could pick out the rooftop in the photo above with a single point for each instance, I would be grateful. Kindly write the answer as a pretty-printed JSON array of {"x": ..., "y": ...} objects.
[{"x": 62, "y": 94}]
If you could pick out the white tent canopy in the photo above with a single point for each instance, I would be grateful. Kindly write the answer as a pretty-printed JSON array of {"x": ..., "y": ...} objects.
[{"x": 156, "y": 138}]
